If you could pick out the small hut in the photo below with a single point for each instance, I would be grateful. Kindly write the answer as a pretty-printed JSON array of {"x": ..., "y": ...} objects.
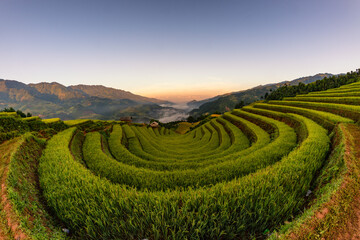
[
  {"x": 154, "y": 124},
  {"x": 126, "y": 119}
]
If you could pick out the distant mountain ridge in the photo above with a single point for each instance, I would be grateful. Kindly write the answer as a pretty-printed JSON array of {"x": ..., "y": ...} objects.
[
  {"x": 81, "y": 101},
  {"x": 58, "y": 90},
  {"x": 113, "y": 93},
  {"x": 227, "y": 102},
  {"x": 50, "y": 100},
  {"x": 196, "y": 104}
]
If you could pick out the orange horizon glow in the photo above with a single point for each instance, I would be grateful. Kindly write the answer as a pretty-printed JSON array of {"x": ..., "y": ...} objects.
[{"x": 180, "y": 96}]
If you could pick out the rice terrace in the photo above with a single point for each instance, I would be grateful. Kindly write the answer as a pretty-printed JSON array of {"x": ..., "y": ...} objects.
[
  {"x": 179, "y": 120},
  {"x": 277, "y": 169}
]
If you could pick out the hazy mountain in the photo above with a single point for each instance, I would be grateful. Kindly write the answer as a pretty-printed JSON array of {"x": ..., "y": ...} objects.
[
  {"x": 60, "y": 91},
  {"x": 196, "y": 104},
  {"x": 164, "y": 114},
  {"x": 97, "y": 102},
  {"x": 228, "y": 101},
  {"x": 112, "y": 93}
]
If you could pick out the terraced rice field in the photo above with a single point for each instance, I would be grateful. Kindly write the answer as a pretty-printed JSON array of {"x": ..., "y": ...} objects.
[{"x": 261, "y": 171}]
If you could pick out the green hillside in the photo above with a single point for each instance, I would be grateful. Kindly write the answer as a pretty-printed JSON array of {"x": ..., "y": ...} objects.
[
  {"x": 227, "y": 102},
  {"x": 277, "y": 169}
]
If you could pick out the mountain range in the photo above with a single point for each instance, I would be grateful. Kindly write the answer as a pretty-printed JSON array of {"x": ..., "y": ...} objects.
[{"x": 49, "y": 100}]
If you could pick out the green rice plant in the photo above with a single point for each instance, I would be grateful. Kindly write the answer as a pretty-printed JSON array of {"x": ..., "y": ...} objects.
[
  {"x": 51, "y": 120},
  {"x": 179, "y": 146},
  {"x": 340, "y": 100},
  {"x": 299, "y": 128},
  {"x": 240, "y": 142},
  {"x": 9, "y": 114},
  {"x": 327, "y": 183},
  {"x": 334, "y": 94},
  {"x": 174, "y": 138},
  {"x": 219, "y": 141},
  {"x": 184, "y": 127},
  {"x": 235, "y": 177},
  {"x": 156, "y": 132},
  {"x": 72, "y": 123},
  {"x": 75, "y": 146},
  {"x": 325, "y": 119},
  {"x": 31, "y": 118},
  {"x": 348, "y": 87},
  {"x": 270, "y": 127},
  {"x": 55, "y": 123},
  {"x": 335, "y": 91},
  {"x": 136, "y": 147},
  {"x": 140, "y": 178},
  {"x": 251, "y": 130},
  {"x": 347, "y": 111},
  {"x": 174, "y": 141},
  {"x": 24, "y": 193},
  {"x": 162, "y": 131},
  {"x": 121, "y": 154},
  {"x": 94, "y": 208},
  {"x": 190, "y": 151},
  {"x": 351, "y": 85}
]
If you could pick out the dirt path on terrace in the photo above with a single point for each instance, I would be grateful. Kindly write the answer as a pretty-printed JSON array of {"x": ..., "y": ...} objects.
[
  {"x": 351, "y": 228},
  {"x": 339, "y": 218},
  {"x": 9, "y": 226}
]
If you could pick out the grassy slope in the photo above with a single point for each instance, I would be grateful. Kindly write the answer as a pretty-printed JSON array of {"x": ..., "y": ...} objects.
[{"x": 184, "y": 127}]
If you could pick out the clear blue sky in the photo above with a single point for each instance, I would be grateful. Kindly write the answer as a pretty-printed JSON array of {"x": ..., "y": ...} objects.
[{"x": 188, "y": 47}]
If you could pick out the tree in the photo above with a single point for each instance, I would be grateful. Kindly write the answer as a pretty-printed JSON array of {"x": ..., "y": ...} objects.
[
  {"x": 9, "y": 110},
  {"x": 21, "y": 114},
  {"x": 240, "y": 104},
  {"x": 191, "y": 119}
]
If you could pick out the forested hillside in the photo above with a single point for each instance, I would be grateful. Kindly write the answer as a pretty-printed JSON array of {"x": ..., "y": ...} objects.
[
  {"x": 320, "y": 85},
  {"x": 228, "y": 102}
]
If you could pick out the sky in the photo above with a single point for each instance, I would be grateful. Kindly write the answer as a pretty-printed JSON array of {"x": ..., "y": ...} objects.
[{"x": 177, "y": 50}]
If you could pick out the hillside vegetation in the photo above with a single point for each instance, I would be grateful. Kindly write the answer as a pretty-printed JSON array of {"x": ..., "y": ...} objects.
[
  {"x": 228, "y": 102},
  {"x": 280, "y": 169}
]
